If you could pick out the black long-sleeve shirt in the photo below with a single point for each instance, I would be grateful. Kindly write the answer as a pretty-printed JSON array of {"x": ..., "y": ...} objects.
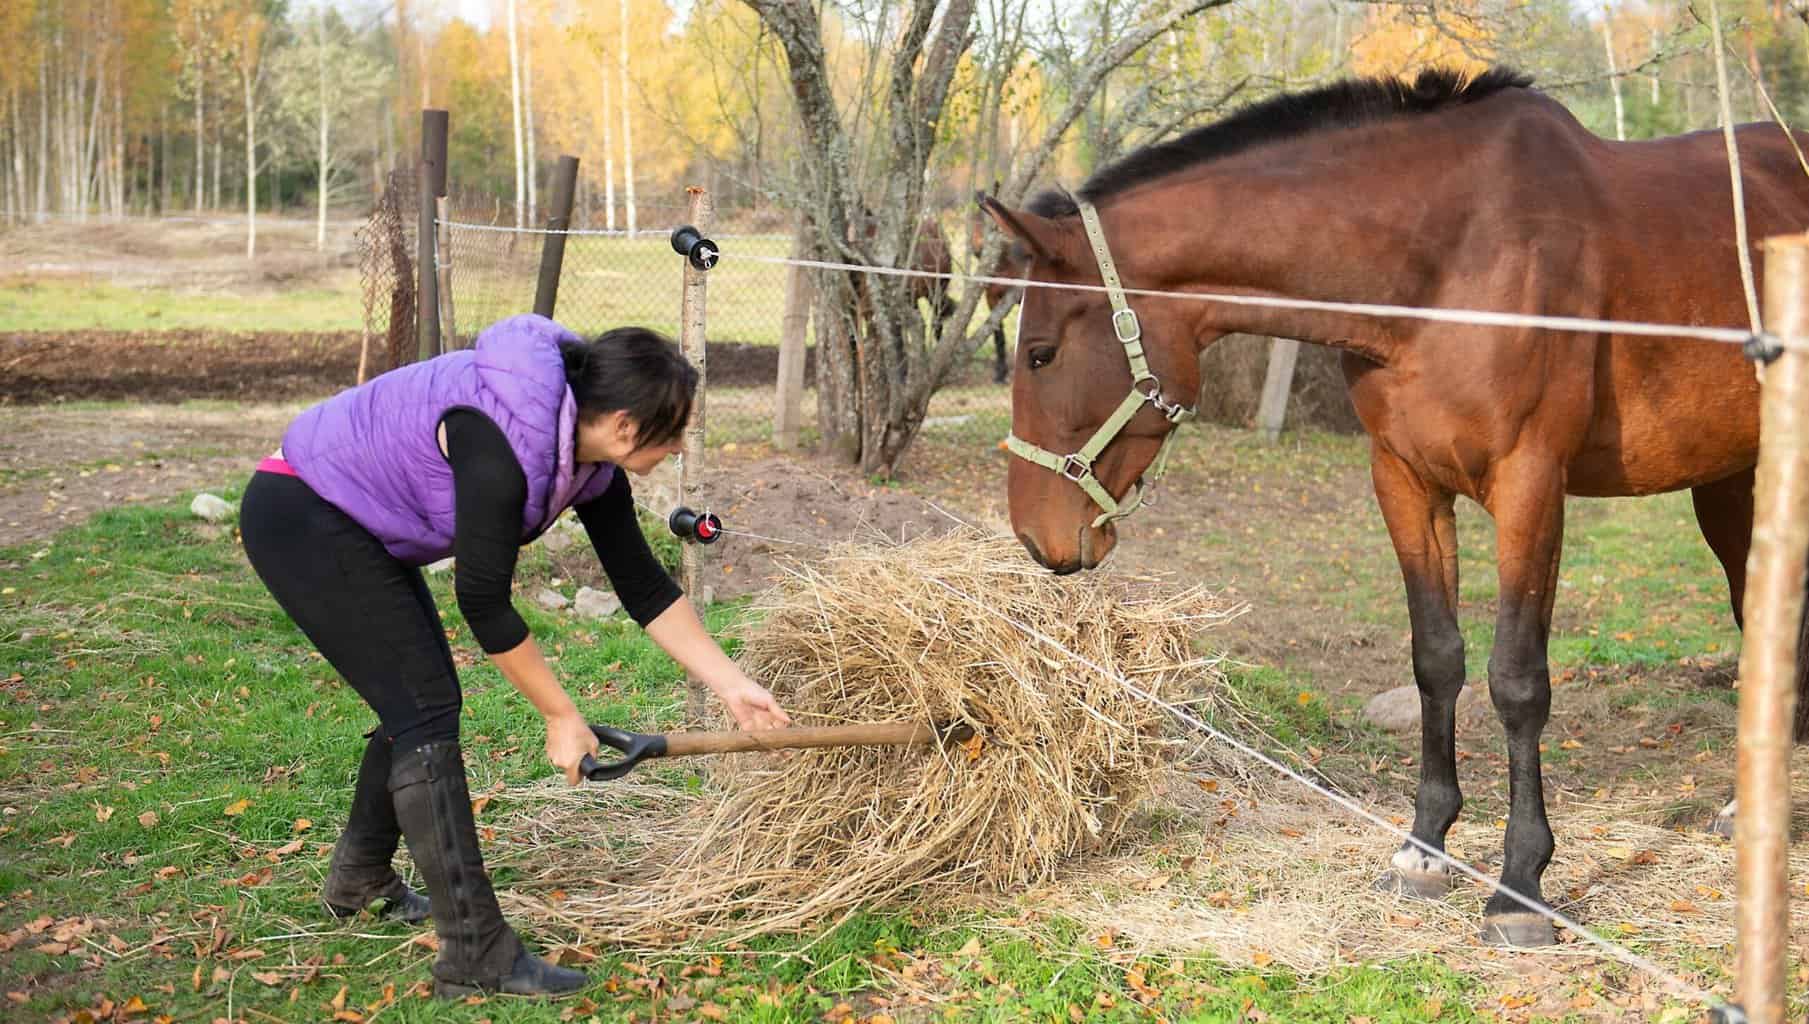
[{"x": 489, "y": 490}]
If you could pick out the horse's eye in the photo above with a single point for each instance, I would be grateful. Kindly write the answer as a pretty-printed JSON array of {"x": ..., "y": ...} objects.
[{"x": 1041, "y": 356}]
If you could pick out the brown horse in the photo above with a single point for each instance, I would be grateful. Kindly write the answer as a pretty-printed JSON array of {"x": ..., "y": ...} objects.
[{"x": 1478, "y": 194}]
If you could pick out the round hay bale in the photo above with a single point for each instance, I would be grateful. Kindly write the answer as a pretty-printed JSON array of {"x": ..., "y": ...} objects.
[{"x": 1060, "y": 754}]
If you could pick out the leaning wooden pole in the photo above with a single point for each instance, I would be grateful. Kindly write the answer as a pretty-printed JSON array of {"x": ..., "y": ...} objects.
[
  {"x": 1773, "y": 605},
  {"x": 435, "y": 125},
  {"x": 690, "y": 470},
  {"x": 552, "y": 249}
]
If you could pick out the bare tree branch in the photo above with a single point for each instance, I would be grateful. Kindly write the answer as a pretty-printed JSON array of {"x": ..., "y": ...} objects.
[{"x": 1126, "y": 46}]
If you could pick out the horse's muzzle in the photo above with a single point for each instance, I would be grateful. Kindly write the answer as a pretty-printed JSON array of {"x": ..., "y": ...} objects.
[{"x": 1036, "y": 553}]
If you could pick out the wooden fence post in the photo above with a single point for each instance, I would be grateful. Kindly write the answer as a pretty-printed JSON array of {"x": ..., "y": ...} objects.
[
  {"x": 788, "y": 410},
  {"x": 1773, "y": 604},
  {"x": 1277, "y": 383}
]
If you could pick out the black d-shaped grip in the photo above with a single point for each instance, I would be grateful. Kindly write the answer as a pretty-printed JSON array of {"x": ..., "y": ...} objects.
[{"x": 635, "y": 747}]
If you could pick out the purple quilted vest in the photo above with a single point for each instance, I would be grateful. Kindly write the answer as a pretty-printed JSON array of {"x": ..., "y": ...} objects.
[{"x": 374, "y": 450}]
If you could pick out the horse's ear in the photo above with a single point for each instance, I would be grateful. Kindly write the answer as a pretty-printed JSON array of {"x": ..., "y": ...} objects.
[{"x": 1035, "y": 237}]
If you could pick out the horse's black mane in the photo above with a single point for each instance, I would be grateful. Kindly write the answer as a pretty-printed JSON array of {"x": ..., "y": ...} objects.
[{"x": 1341, "y": 104}]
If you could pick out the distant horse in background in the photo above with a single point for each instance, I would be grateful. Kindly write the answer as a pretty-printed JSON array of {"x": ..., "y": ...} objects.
[
  {"x": 996, "y": 294},
  {"x": 930, "y": 254}
]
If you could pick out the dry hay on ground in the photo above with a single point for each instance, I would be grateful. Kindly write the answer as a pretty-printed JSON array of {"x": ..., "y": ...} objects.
[
  {"x": 1273, "y": 875},
  {"x": 1061, "y": 756}
]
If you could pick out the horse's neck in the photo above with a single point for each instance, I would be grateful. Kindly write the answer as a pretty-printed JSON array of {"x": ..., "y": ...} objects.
[{"x": 1355, "y": 231}]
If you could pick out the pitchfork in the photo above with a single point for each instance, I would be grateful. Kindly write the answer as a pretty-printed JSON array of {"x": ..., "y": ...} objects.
[{"x": 637, "y": 747}]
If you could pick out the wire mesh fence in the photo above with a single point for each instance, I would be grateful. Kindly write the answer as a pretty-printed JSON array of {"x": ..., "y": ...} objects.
[
  {"x": 611, "y": 279},
  {"x": 386, "y": 272}
]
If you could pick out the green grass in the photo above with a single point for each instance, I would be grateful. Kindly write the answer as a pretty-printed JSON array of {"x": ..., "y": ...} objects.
[
  {"x": 74, "y": 304},
  {"x": 1637, "y": 583},
  {"x": 165, "y": 730}
]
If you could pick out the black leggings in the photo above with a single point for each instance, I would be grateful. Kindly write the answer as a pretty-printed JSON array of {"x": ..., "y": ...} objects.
[{"x": 369, "y": 615}]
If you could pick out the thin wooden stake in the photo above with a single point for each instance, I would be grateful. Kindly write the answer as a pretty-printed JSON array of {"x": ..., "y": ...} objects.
[{"x": 690, "y": 471}]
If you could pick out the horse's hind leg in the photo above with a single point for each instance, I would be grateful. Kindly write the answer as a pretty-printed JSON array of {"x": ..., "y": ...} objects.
[{"x": 1724, "y": 513}]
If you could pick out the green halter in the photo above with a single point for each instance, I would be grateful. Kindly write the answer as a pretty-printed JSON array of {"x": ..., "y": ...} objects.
[{"x": 1078, "y": 466}]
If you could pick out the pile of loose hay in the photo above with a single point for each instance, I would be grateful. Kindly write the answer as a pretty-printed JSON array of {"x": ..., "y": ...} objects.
[{"x": 1060, "y": 759}]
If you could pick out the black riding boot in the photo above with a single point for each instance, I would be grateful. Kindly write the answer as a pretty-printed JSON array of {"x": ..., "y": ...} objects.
[
  {"x": 478, "y": 950},
  {"x": 360, "y": 873}
]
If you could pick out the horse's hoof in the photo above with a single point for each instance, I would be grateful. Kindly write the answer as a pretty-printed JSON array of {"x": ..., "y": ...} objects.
[
  {"x": 1424, "y": 885},
  {"x": 1723, "y": 825},
  {"x": 1520, "y": 930},
  {"x": 1412, "y": 873}
]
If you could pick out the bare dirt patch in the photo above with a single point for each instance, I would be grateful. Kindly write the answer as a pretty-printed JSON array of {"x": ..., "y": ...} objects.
[
  {"x": 206, "y": 252},
  {"x": 59, "y": 466},
  {"x": 174, "y": 366}
]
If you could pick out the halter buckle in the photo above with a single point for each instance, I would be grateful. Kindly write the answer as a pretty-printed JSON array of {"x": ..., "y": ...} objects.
[
  {"x": 1126, "y": 335},
  {"x": 1171, "y": 411},
  {"x": 1069, "y": 472}
]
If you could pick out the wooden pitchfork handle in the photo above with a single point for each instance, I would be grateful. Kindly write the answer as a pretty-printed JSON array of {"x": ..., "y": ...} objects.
[{"x": 637, "y": 747}]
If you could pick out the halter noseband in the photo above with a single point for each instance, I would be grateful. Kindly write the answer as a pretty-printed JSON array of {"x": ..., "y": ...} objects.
[{"x": 1145, "y": 390}]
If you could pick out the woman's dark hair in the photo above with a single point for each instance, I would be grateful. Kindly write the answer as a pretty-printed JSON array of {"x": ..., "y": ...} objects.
[{"x": 638, "y": 371}]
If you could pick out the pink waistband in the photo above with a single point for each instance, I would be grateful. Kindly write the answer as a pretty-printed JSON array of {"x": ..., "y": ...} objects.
[{"x": 276, "y": 465}]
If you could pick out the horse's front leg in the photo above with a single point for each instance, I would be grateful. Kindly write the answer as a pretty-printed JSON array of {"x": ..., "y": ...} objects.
[
  {"x": 1527, "y": 502},
  {"x": 1423, "y": 526}
]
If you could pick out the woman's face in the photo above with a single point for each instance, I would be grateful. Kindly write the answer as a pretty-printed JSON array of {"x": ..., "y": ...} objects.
[{"x": 611, "y": 438}]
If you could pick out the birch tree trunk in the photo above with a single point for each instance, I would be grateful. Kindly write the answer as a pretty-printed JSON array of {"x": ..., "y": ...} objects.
[
  {"x": 1614, "y": 74},
  {"x": 527, "y": 95},
  {"x": 164, "y": 183},
  {"x": 323, "y": 156},
  {"x": 515, "y": 102},
  {"x": 12, "y": 147},
  {"x": 251, "y": 165},
  {"x": 15, "y": 193},
  {"x": 90, "y": 154},
  {"x": 43, "y": 141},
  {"x": 609, "y": 155},
  {"x": 627, "y": 129},
  {"x": 200, "y": 125},
  {"x": 119, "y": 143}
]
